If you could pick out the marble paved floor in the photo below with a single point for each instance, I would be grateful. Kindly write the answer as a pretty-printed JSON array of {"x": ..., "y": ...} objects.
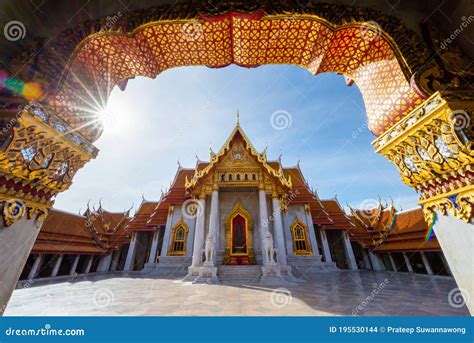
[{"x": 339, "y": 293}]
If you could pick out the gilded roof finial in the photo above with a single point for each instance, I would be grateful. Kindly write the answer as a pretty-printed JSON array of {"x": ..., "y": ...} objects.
[
  {"x": 211, "y": 152},
  {"x": 238, "y": 118}
]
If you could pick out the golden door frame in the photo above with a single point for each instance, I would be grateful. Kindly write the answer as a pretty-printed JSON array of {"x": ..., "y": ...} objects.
[
  {"x": 309, "y": 248},
  {"x": 239, "y": 210}
]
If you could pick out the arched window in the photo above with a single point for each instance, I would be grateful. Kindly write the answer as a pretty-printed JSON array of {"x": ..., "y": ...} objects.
[
  {"x": 238, "y": 177},
  {"x": 301, "y": 245},
  {"x": 178, "y": 241},
  {"x": 230, "y": 177}
]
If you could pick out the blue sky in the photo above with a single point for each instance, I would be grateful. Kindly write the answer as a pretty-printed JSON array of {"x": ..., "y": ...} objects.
[{"x": 177, "y": 116}]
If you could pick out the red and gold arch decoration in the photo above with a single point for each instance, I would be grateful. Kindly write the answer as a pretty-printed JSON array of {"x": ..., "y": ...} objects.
[{"x": 359, "y": 51}]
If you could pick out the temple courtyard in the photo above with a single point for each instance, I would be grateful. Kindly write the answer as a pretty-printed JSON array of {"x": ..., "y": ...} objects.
[{"x": 337, "y": 293}]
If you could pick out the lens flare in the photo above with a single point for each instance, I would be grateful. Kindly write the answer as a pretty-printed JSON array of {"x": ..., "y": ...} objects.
[{"x": 29, "y": 90}]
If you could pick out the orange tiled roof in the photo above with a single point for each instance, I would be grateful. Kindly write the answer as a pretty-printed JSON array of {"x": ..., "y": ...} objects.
[
  {"x": 64, "y": 232},
  {"x": 140, "y": 220},
  {"x": 304, "y": 195},
  {"x": 408, "y": 234},
  {"x": 68, "y": 233},
  {"x": 338, "y": 216},
  {"x": 387, "y": 230},
  {"x": 371, "y": 225}
]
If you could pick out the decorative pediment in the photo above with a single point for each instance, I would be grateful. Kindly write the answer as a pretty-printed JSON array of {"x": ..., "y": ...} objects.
[{"x": 238, "y": 153}]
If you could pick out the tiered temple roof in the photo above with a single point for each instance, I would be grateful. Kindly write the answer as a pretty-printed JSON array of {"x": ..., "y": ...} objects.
[
  {"x": 152, "y": 214},
  {"x": 384, "y": 229},
  {"x": 94, "y": 232},
  {"x": 340, "y": 220}
]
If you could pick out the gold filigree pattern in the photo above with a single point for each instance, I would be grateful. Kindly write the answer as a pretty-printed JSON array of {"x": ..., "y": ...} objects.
[
  {"x": 39, "y": 158},
  {"x": 238, "y": 167},
  {"x": 13, "y": 210},
  {"x": 434, "y": 155},
  {"x": 356, "y": 50}
]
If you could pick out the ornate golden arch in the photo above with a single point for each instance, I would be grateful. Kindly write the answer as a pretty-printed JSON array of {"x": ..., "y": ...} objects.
[
  {"x": 172, "y": 250},
  {"x": 297, "y": 251},
  {"x": 239, "y": 209}
]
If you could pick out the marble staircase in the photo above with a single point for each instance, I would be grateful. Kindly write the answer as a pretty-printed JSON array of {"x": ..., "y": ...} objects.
[
  {"x": 172, "y": 266},
  {"x": 302, "y": 266},
  {"x": 239, "y": 274}
]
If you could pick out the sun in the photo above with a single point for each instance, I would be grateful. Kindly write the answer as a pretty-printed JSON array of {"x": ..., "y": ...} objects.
[{"x": 115, "y": 119}]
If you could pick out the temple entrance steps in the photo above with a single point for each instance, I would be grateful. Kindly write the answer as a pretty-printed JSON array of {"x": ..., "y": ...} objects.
[
  {"x": 173, "y": 266},
  {"x": 307, "y": 265},
  {"x": 239, "y": 274}
]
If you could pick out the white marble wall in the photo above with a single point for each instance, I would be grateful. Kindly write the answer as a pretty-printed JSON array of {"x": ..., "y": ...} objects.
[
  {"x": 295, "y": 211},
  {"x": 174, "y": 219}
]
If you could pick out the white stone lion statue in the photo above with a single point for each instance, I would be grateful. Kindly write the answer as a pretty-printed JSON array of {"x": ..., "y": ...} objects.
[
  {"x": 268, "y": 247},
  {"x": 209, "y": 249}
]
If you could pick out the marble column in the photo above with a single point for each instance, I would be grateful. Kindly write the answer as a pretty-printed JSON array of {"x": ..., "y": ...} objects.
[
  {"x": 456, "y": 239},
  {"x": 445, "y": 263},
  {"x": 312, "y": 233},
  {"x": 377, "y": 265},
  {"x": 263, "y": 216},
  {"x": 88, "y": 264},
  {"x": 350, "y": 258},
  {"x": 426, "y": 263},
  {"x": 74, "y": 265},
  {"x": 366, "y": 259},
  {"x": 199, "y": 232},
  {"x": 167, "y": 235},
  {"x": 104, "y": 263},
  {"x": 326, "y": 250},
  {"x": 408, "y": 263},
  {"x": 214, "y": 221},
  {"x": 278, "y": 228},
  {"x": 16, "y": 242},
  {"x": 116, "y": 259},
  {"x": 154, "y": 246},
  {"x": 132, "y": 251},
  {"x": 36, "y": 267},
  {"x": 57, "y": 264},
  {"x": 392, "y": 262}
]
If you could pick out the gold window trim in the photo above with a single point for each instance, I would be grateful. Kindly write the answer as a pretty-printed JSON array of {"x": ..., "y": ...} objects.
[
  {"x": 174, "y": 231},
  {"x": 308, "y": 251}
]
